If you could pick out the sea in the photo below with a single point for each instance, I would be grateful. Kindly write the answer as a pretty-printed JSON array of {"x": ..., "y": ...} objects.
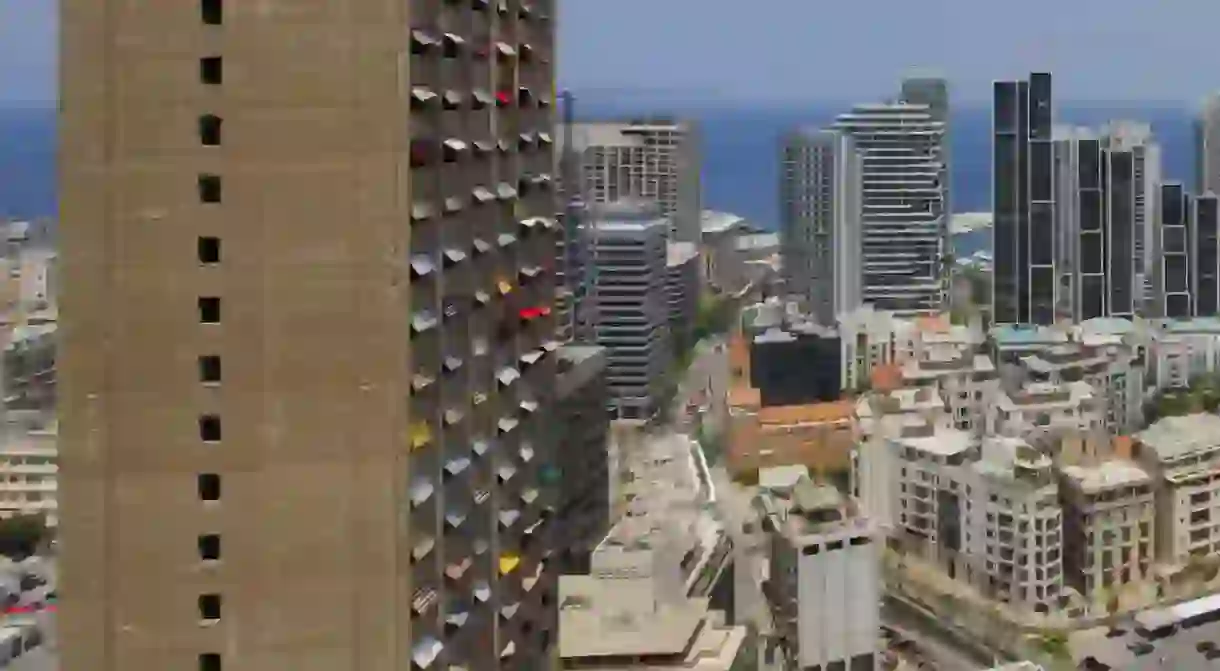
[{"x": 739, "y": 146}]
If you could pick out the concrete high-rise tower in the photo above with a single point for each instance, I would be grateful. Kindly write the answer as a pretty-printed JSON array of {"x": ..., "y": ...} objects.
[
  {"x": 307, "y": 367},
  {"x": 654, "y": 160},
  {"x": 903, "y": 226},
  {"x": 1023, "y": 202},
  {"x": 1207, "y": 146},
  {"x": 820, "y": 221}
]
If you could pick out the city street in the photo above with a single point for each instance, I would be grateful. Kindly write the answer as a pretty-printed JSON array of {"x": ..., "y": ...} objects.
[
  {"x": 1176, "y": 653},
  {"x": 705, "y": 384},
  {"x": 930, "y": 639}
]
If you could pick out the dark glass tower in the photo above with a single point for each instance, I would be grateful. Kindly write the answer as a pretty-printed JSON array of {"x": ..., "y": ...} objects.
[{"x": 1023, "y": 202}]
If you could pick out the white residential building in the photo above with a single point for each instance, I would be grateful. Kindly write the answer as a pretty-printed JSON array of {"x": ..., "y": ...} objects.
[
  {"x": 966, "y": 382},
  {"x": 29, "y": 473},
  {"x": 1108, "y": 519},
  {"x": 1181, "y": 349},
  {"x": 1043, "y": 405},
  {"x": 825, "y": 582},
  {"x": 1014, "y": 537},
  {"x": 1182, "y": 454}
]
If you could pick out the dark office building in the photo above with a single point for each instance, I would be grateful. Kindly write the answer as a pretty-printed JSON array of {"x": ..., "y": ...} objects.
[
  {"x": 1023, "y": 202},
  {"x": 1171, "y": 276},
  {"x": 583, "y": 426},
  {"x": 1118, "y": 171},
  {"x": 795, "y": 367},
  {"x": 1205, "y": 239}
]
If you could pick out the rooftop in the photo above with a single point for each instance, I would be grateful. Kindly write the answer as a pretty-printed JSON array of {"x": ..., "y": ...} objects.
[
  {"x": 594, "y": 621},
  {"x": 1174, "y": 438},
  {"x": 720, "y": 222},
  {"x": 1195, "y": 325},
  {"x": 941, "y": 442},
  {"x": 811, "y": 413},
  {"x": 1106, "y": 475},
  {"x": 1025, "y": 335},
  {"x": 756, "y": 241},
  {"x": 799, "y": 507}
]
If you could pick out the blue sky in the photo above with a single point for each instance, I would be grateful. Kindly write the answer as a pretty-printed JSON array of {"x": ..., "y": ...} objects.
[{"x": 816, "y": 50}]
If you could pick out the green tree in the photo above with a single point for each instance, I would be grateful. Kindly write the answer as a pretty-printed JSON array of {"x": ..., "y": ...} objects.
[{"x": 20, "y": 535}]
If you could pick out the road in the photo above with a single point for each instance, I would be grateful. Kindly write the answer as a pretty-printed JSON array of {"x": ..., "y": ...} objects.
[
  {"x": 931, "y": 640},
  {"x": 706, "y": 383},
  {"x": 1173, "y": 653}
]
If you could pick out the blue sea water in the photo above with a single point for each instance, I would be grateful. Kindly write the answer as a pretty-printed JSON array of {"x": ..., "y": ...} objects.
[{"x": 740, "y": 148}]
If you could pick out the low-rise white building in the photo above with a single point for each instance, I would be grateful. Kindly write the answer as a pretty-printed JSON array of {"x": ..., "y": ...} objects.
[
  {"x": 1182, "y": 454},
  {"x": 825, "y": 581},
  {"x": 29, "y": 473}
]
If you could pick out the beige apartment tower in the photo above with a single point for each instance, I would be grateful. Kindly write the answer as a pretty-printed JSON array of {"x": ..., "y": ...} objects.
[{"x": 306, "y": 315}]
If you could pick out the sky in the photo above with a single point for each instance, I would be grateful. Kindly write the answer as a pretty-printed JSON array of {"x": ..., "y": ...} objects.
[{"x": 764, "y": 51}]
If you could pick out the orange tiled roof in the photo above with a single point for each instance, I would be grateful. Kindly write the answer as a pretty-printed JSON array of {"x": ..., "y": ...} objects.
[
  {"x": 932, "y": 323},
  {"x": 811, "y": 413},
  {"x": 886, "y": 378}
]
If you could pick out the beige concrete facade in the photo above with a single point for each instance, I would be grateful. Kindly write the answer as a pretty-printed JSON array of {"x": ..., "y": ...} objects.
[{"x": 319, "y": 544}]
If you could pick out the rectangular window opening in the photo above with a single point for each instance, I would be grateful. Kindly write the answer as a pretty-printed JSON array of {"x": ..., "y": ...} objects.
[
  {"x": 209, "y": 606},
  {"x": 209, "y": 188},
  {"x": 209, "y": 250},
  {"x": 209, "y": 369},
  {"x": 209, "y": 130},
  {"x": 211, "y": 70},
  {"x": 209, "y": 428},
  {"x": 209, "y": 547},
  {"x": 209, "y": 486},
  {"x": 209, "y": 310},
  {"x": 211, "y": 12}
]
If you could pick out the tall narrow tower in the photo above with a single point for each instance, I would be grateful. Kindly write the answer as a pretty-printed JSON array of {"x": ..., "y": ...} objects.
[
  {"x": 307, "y": 362},
  {"x": 1023, "y": 202}
]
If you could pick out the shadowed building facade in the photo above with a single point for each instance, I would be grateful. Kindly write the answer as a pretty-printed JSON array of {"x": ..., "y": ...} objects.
[{"x": 306, "y": 359}]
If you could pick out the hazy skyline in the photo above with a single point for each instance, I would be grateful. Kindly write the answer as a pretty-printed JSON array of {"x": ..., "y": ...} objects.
[{"x": 1098, "y": 50}]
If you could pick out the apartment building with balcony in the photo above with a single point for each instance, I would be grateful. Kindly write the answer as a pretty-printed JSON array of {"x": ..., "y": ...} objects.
[
  {"x": 1182, "y": 457},
  {"x": 329, "y": 355},
  {"x": 683, "y": 281},
  {"x": 1014, "y": 535},
  {"x": 29, "y": 471},
  {"x": 1109, "y": 519},
  {"x": 968, "y": 383},
  {"x": 872, "y": 338},
  {"x": 824, "y": 586},
  {"x": 1115, "y": 371},
  {"x": 926, "y": 496},
  {"x": 631, "y": 256},
  {"x": 1040, "y": 406},
  {"x": 583, "y": 456}
]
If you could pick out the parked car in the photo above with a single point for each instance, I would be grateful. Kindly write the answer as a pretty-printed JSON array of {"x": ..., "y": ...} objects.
[{"x": 1140, "y": 647}]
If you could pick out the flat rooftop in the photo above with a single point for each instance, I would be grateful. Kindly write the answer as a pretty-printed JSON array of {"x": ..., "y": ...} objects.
[
  {"x": 943, "y": 442},
  {"x": 1106, "y": 475},
  {"x": 1175, "y": 438}
]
